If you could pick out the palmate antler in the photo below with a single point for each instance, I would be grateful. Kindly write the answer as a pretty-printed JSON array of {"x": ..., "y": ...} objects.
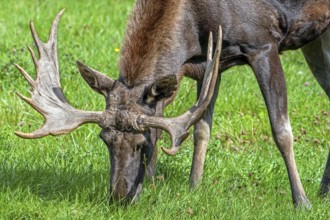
[
  {"x": 178, "y": 127},
  {"x": 60, "y": 117},
  {"x": 47, "y": 96}
]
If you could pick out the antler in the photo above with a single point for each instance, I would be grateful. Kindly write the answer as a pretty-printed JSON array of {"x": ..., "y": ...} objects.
[
  {"x": 47, "y": 96},
  {"x": 178, "y": 127}
]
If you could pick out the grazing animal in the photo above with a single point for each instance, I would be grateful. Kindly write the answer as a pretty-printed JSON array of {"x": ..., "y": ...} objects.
[{"x": 166, "y": 40}]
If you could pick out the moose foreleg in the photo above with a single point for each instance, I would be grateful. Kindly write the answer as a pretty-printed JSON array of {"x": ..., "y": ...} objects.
[
  {"x": 267, "y": 68},
  {"x": 202, "y": 133}
]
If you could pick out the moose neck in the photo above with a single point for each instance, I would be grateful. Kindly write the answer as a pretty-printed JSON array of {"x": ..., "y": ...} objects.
[{"x": 160, "y": 37}]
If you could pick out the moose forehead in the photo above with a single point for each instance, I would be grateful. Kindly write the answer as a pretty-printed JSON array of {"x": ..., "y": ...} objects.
[
  {"x": 124, "y": 105},
  {"x": 123, "y": 97}
]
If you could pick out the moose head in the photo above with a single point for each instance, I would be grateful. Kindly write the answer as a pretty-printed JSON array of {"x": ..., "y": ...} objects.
[{"x": 132, "y": 119}]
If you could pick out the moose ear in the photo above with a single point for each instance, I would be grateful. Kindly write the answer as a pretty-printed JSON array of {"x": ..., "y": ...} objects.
[
  {"x": 99, "y": 82},
  {"x": 161, "y": 89}
]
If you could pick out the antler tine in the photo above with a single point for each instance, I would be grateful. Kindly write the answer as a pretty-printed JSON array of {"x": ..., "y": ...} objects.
[
  {"x": 52, "y": 42},
  {"x": 26, "y": 76},
  {"x": 47, "y": 97},
  {"x": 53, "y": 30},
  {"x": 208, "y": 75},
  {"x": 35, "y": 36},
  {"x": 34, "y": 33},
  {"x": 34, "y": 58},
  {"x": 178, "y": 127}
]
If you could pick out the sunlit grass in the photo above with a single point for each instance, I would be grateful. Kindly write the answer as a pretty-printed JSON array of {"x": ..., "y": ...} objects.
[{"x": 68, "y": 176}]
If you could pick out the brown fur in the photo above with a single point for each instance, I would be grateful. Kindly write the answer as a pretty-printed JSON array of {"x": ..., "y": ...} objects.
[
  {"x": 151, "y": 28},
  {"x": 313, "y": 17}
]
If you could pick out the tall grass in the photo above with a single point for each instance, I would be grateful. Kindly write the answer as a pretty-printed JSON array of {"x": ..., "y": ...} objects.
[{"x": 67, "y": 177}]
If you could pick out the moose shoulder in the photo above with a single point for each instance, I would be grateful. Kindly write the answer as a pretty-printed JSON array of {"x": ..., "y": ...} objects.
[{"x": 166, "y": 40}]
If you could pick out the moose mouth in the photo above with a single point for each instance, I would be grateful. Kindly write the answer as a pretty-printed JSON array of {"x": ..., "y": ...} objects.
[
  {"x": 131, "y": 198},
  {"x": 137, "y": 194}
]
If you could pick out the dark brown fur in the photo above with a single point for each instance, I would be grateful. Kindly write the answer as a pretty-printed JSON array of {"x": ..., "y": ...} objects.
[{"x": 166, "y": 37}]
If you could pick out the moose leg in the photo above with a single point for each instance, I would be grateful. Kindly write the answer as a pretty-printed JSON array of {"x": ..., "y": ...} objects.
[
  {"x": 269, "y": 73},
  {"x": 324, "y": 189},
  {"x": 151, "y": 167},
  {"x": 202, "y": 133},
  {"x": 155, "y": 135},
  {"x": 317, "y": 55}
]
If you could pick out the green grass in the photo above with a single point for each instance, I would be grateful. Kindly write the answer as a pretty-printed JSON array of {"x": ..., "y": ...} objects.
[{"x": 67, "y": 177}]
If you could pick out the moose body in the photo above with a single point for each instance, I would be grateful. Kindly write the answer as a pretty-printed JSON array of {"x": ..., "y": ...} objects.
[{"x": 166, "y": 40}]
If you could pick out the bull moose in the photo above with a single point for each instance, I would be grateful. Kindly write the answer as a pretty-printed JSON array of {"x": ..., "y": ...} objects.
[{"x": 166, "y": 40}]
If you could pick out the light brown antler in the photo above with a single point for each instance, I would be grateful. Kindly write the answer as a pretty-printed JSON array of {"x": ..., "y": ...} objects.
[
  {"x": 178, "y": 127},
  {"x": 47, "y": 96}
]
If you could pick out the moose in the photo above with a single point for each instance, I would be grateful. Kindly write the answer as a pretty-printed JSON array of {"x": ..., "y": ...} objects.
[{"x": 166, "y": 40}]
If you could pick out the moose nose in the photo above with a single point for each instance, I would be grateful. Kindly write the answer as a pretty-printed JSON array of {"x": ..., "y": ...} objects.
[
  {"x": 125, "y": 196},
  {"x": 119, "y": 191}
]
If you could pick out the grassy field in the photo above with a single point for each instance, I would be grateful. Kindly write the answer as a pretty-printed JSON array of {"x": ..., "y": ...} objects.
[{"x": 67, "y": 177}]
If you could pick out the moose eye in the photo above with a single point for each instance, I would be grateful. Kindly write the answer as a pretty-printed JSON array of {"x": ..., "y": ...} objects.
[
  {"x": 140, "y": 141},
  {"x": 148, "y": 109},
  {"x": 138, "y": 147}
]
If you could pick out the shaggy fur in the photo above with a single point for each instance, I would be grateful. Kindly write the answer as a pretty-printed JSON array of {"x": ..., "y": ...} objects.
[{"x": 151, "y": 28}]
